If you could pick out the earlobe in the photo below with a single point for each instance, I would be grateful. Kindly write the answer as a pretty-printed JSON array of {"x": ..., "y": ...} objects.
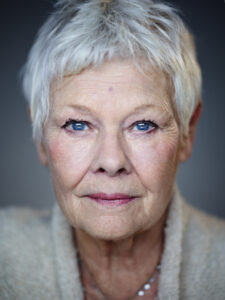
[
  {"x": 188, "y": 141},
  {"x": 42, "y": 154}
]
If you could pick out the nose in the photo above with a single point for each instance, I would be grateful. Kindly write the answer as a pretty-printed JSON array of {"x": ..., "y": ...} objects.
[{"x": 111, "y": 158}]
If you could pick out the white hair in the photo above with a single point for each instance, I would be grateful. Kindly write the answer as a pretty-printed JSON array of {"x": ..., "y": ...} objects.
[{"x": 82, "y": 33}]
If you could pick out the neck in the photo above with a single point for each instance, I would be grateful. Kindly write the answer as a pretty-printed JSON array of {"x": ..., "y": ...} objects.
[{"x": 120, "y": 268}]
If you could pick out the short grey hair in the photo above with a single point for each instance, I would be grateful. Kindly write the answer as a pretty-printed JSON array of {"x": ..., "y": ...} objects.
[{"x": 82, "y": 33}]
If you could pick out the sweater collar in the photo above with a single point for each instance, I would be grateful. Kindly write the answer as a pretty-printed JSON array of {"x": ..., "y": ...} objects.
[
  {"x": 67, "y": 269},
  {"x": 169, "y": 283}
]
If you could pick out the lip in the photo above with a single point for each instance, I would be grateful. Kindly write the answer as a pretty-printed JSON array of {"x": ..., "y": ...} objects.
[{"x": 111, "y": 199}]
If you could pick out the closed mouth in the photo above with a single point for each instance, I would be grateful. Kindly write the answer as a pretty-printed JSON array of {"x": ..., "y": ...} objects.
[{"x": 116, "y": 199}]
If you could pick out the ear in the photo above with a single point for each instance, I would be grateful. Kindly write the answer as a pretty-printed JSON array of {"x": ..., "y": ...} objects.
[
  {"x": 187, "y": 145},
  {"x": 42, "y": 154}
]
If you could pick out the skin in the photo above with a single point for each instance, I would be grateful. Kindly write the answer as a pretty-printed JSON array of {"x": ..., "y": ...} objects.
[{"x": 112, "y": 156}]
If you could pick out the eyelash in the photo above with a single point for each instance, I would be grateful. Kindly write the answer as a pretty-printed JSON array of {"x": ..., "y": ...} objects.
[
  {"x": 149, "y": 122},
  {"x": 152, "y": 123},
  {"x": 71, "y": 121}
]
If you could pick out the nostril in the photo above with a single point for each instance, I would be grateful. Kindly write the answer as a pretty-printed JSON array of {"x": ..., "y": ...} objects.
[{"x": 122, "y": 170}]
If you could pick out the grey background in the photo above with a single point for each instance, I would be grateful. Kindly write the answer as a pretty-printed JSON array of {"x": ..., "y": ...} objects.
[{"x": 25, "y": 182}]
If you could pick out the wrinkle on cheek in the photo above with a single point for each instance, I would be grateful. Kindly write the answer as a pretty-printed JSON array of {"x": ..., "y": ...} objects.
[
  {"x": 147, "y": 207},
  {"x": 155, "y": 163},
  {"x": 69, "y": 160}
]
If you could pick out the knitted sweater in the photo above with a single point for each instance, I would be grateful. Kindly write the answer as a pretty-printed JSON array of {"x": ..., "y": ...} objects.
[{"x": 38, "y": 258}]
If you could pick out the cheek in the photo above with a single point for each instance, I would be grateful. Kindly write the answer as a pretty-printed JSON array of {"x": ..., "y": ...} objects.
[
  {"x": 68, "y": 160},
  {"x": 155, "y": 160}
]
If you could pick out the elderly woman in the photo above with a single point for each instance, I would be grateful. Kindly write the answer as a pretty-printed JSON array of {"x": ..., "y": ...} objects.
[{"x": 114, "y": 99}]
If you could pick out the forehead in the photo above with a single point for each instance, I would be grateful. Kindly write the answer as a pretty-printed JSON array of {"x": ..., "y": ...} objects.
[{"x": 120, "y": 82}]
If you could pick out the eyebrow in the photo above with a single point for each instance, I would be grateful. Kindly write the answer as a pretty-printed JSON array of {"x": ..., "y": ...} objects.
[
  {"x": 147, "y": 106},
  {"x": 138, "y": 109},
  {"x": 81, "y": 108}
]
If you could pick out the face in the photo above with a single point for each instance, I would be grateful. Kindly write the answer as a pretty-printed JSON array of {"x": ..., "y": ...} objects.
[{"x": 112, "y": 145}]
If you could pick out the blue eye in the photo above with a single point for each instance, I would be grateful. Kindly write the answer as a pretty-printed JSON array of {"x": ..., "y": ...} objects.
[
  {"x": 144, "y": 126},
  {"x": 76, "y": 125}
]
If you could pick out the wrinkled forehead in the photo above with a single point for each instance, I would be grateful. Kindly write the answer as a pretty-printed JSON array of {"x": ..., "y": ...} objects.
[{"x": 115, "y": 79}]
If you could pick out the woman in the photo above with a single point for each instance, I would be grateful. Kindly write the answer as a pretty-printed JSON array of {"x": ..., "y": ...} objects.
[{"x": 114, "y": 99}]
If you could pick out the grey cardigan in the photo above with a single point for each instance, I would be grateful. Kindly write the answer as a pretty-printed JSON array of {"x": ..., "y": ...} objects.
[{"x": 38, "y": 258}]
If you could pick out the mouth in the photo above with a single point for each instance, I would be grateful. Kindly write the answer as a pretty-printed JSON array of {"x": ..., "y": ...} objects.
[{"x": 111, "y": 199}]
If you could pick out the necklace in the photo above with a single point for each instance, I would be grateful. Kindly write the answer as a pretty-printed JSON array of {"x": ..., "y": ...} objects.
[{"x": 147, "y": 286}]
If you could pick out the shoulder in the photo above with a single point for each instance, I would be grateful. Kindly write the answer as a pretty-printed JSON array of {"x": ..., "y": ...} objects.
[
  {"x": 25, "y": 252},
  {"x": 24, "y": 229},
  {"x": 23, "y": 223},
  {"x": 200, "y": 224},
  {"x": 203, "y": 255},
  {"x": 22, "y": 214}
]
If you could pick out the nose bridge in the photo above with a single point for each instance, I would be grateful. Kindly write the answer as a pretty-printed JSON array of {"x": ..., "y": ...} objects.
[{"x": 111, "y": 155}]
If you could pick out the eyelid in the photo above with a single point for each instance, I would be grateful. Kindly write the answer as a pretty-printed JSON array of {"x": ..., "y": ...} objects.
[
  {"x": 145, "y": 121},
  {"x": 142, "y": 117},
  {"x": 70, "y": 121},
  {"x": 153, "y": 127},
  {"x": 77, "y": 127}
]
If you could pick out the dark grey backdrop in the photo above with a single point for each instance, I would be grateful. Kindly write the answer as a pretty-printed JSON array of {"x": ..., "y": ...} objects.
[{"x": 25, "y": 182}]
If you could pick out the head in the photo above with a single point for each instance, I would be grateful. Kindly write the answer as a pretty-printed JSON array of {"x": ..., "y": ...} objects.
[{"x": 114, "y": 94}]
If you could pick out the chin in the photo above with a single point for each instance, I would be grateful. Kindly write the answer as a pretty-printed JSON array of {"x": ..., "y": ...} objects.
[
  {"x": 111, "y": 235},
  {"x": 111, "y": 229}
]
